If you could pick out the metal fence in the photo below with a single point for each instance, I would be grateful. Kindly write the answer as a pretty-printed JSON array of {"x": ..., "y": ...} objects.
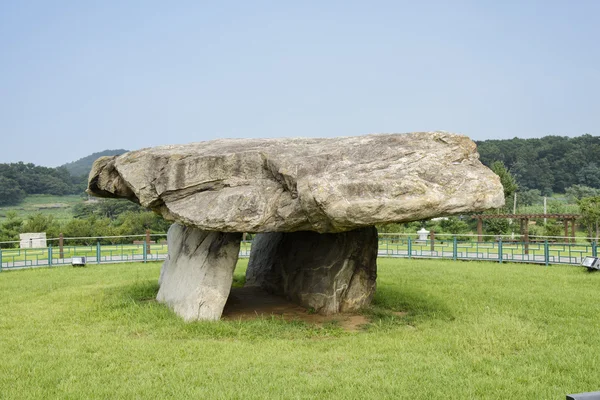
[
  {"x": 142, "y": 248},
  {"x": 539, "y": 250}
]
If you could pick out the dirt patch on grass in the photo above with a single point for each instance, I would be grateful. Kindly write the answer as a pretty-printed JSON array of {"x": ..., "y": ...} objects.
[{"x": 249, "y": 303}]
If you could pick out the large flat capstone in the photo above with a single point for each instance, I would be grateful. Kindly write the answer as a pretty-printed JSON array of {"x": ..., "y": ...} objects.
[
  {"x": 288, "y": 185},
  {"x": 314, "y": 202}
]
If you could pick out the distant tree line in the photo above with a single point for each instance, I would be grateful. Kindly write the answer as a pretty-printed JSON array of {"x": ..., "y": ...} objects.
[
  {"x": 551, "y": 164},
  {"x": 18, "y": 180},
  {"x": 110, "y": 217}
]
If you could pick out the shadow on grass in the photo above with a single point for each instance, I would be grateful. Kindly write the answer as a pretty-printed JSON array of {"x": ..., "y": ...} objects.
[
  {"x": 135, "y": 305},
  {"x": 395, "y": 305},
  {"x": 140, "y": 291}
]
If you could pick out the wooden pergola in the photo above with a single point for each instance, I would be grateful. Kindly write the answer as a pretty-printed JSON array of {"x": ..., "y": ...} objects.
[{"x": 524, "y": 221}]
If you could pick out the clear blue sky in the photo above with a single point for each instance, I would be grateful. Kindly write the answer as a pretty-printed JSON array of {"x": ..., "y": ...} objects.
[{"x": 79, "y": 77}]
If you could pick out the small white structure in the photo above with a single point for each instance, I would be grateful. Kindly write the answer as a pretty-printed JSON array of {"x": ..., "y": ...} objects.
[
  {"x": 423, "y": 233},
  {"x": 33, "y": 240},
  {"x": 78, "y": 261}
]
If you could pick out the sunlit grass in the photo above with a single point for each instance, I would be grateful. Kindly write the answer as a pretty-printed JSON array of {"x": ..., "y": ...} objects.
[{"x": 471, "y": 330}]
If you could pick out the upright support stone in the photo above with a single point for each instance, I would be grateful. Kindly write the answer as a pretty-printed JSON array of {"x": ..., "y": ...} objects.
[
  {"x": 196, "y": 277},
  {"x": 330, "y": 272}
]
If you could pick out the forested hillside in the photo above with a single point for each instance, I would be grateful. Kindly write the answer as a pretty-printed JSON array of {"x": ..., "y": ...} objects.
[
  {"x": 18, "y": 180},
  {"x": 84, "y": 165},
  {"x": 550, "y": 164}
]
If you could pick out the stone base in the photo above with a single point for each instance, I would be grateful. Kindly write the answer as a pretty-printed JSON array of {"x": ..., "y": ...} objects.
[
  {"x": 196, "y": 277},
  {"x": 330, "y": 272}
]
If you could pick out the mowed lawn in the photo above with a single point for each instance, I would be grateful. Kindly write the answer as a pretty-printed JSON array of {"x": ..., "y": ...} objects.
[{"x": 472, "y": 330}]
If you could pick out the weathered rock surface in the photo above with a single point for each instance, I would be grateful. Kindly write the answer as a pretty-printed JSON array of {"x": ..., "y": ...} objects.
[
  {"x": 288, "y": 185},
  {"x": 329, "y": 272},
  {"x": 196, "y": 277}
]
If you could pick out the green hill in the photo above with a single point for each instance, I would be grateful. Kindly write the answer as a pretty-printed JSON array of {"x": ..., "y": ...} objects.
[
  {"x": 550, "y": 164},
  {"x": 83, "y": 166}
]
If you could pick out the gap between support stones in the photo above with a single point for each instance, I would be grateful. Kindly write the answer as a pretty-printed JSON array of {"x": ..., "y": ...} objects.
[{"x": 329, "y": 272}]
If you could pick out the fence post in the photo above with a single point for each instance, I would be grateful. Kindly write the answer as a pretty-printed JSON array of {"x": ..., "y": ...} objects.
[
  {"x": 594, "y": 249},
  {"x": 546, "y": 252},
  {"x": 50, "y": 255},
  {"x": 147, "y": 241},
  {"x": 98, "y": 252},
  {"x": 454, "y": 248},
  {"x": 144, "y": 248},
  {"x": 61, "y": 240},
  {"x": 500, "y": 250},
  {"x": 409, "y": 247},
  {"x": 0, "y": 260}
]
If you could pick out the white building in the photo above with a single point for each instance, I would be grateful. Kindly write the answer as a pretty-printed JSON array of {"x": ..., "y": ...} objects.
[{"x": 33, "y": 240}]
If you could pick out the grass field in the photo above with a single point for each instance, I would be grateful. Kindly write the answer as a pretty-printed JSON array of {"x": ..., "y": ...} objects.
[
  {"x": 473, "y": 330},
  {"x": 58, "y": 206}
]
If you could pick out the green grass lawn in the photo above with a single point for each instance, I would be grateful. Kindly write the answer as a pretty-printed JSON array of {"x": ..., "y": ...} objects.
[
  {"x": 473, "y": 330},
  {"x": 61, "y": 207}
]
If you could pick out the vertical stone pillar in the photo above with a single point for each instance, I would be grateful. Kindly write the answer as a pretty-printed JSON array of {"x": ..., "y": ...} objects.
[
  {"x": 330, "y": 272},
  {"x": 196, "y": 277}
]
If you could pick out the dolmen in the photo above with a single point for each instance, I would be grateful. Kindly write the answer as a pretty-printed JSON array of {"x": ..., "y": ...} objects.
[{"x": 312, "y": 203}]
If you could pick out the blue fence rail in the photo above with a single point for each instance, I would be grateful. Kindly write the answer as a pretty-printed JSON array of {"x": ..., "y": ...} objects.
[{"x": 540, "y": 250}]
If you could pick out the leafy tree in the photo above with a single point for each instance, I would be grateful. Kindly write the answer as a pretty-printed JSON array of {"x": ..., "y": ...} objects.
[
  {"x": 496, "y": 226},
  {"x": 506, "y": 178},
  {"x": 589, "y": 175},
  {"x": 550, "y": 164},
  {"x": 107, "y": 208},
  {"x": 590, "y": 213},
  {"x": 390, "y": 228},
  {"x": 19, "y": 179},
  {"x": 10, "y": 192},
  {"x": 529, "y": 197},
  {"x": 10, "y": 229},
  {"x": 578, "y": 192},
  {"x": 136, "y": 223},
  {"x": 83, "y": 210},
  {"x": 42, "y": 223},
  {"x": 454, "y": 225},
  {"x": 81, "y": 228},
  {"x": 553, "y": 228}
]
